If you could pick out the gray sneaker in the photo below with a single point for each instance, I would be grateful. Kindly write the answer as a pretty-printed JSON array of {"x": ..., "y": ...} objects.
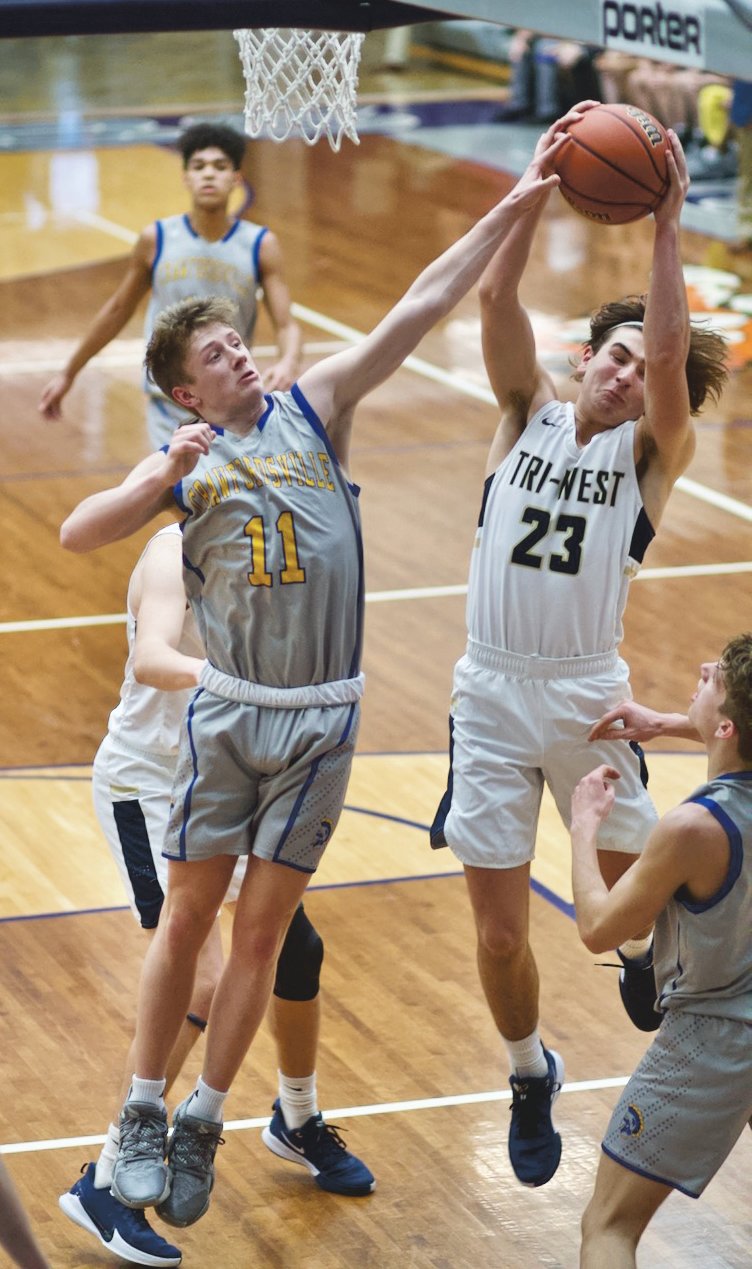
[
  {"x": 140, "y": 1175},
  {"x": 190, "y": 1159}
]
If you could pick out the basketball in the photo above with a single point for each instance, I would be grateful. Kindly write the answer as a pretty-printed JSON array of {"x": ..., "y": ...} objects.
[{"x": 614, "y": 169}]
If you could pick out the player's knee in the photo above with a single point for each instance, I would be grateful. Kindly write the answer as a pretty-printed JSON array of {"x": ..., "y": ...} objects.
[
  {"x": 299, "y": 964},
  {"x": 502, "y": 940}
]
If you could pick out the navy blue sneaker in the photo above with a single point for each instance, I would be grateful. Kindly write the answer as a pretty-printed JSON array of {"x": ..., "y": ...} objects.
[
  {"x": 638, "y": 990},
  {"x": 319, "y": 1147},
  {"x": 534, "y": 1143},
  {"x": 123, "y": 1231}
]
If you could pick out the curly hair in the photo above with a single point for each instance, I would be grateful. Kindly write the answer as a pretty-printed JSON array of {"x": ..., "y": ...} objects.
[
  {"x": 173, "y": 331},
  {"x": 206, "y": 136},
  {"x": 707, "y": 359},
  {"x": 735, "y": 664}
]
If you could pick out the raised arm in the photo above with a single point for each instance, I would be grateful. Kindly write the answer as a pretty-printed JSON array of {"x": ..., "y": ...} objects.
[
  {"x": 687, "y": 848},
  {"x": 519, "y": 382},
  {"x": 277, "y": 302},
  {"x": 334, "y": 386},
  {"x": 666, "y": 438},
  {"x": 108, "y": 322},
  {"x": 158, "y": 600},
  {"x": 118, "y": 512}
]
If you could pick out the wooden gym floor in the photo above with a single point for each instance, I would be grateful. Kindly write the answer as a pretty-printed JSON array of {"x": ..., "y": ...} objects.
[{"x": 409, "y": 1063}]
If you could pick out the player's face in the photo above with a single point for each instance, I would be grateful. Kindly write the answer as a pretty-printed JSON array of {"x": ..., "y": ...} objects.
[
  {"x": 210, "y": 178},
  {"x": 222, "y": 380},
  {"x": 705, "y": 709},
  {"x": 613, "y": 382}
]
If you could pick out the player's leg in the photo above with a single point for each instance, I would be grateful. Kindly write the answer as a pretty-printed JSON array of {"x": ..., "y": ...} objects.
[
  {"x": 133, "y": 829},
  {"x": 268, "y": 897},
  {"x": 621, "y": 839},
  {"x": 194, "y": 895},
  {"x": 490, "y": 819},
  {"x": 617, "y": 1215},
  {"x": 297, "y": 1131},
  {"x": 509, "y": 977}
]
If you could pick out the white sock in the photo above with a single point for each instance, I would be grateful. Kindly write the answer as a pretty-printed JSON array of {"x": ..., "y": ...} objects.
[
  {"x": 636, "y": 949},
  {"x": 106, "y": 1160},
  {"x": 149, "y": 1091},
  {"x": 526, "y": 1057},
  {"x": 207, "y": 1103},
  {"x": 298, "y": 1098}
]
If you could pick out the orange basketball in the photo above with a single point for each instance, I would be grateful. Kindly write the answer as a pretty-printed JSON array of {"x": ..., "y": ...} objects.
[{"x": 614, "y": 169}]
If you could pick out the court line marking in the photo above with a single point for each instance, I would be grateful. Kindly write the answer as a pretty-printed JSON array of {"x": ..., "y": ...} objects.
[
  {"x": 425, "y": 368},
  {"x": 343, "y": 1112},
  {"x": 379, "y": 597}
]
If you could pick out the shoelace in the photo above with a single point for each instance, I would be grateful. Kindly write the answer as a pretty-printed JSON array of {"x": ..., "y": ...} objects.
[
  {"x": 143, "y": 1138},
  {"x": 529, "y": 1111},
  {"x": 328, "y": 1139},
  {"x": 192, "y": 1149}
]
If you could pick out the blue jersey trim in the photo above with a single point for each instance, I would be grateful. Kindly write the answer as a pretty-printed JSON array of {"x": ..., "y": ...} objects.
[
  {"x": 293, "y": 816},
  {"x": 650, "y": 1176},
  {"x": 160, "y": 245},
  {"x": 257, "y": 251},
  {"x": 192, "y": 568},
  {"x": 265, "y": 416},
  {"x": 735, "y": 862},
  {"x": 189, "y": 226},
  {"x": 234, "y": 227},
  {"x": 310, "y": 414}
]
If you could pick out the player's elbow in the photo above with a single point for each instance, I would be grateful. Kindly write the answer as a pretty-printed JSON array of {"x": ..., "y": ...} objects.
[
  {"x": 594, "y": 936},
  {"x": 73, "y": 538}
]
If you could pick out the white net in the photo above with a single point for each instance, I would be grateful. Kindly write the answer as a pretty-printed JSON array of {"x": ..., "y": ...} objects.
[{"x": 300, "y": 83}]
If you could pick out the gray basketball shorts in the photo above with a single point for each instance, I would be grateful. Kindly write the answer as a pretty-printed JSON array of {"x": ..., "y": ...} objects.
[
  {"x": 687, "y": 1102},
  {"x": 251, "y": 779}
]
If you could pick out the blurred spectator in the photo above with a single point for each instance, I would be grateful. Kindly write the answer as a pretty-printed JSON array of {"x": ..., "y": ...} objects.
[
  {"x": 741, "y": 118},
  {"x": 547, "y": 78}
]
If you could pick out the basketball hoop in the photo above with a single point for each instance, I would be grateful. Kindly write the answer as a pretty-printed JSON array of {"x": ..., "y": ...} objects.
[{"x": 300, "y": 83}]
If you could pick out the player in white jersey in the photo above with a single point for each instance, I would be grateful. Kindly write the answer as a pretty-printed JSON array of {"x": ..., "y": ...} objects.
[
  {"x": 690, "y": 1097},
  {"x": 206, "y": 251},
  {"x": 273, "y": 561},
  {"x": 572, "y": 497},
  {"x": 131, "y": 783}
]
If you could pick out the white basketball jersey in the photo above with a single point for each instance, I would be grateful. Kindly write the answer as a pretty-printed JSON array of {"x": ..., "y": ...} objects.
[
  {"x": 562, "y": 532},
  {"x": 147, "y": 719}
]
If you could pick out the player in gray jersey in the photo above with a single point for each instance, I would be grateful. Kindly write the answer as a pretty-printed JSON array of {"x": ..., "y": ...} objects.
[
  {"x": 274, "y": 570},
  {"x": 132, "y": 780},
  {"x": 206, "y": 251},
  {"x": 573, "y": 495},
  {"x": 691, "y": 1095}
]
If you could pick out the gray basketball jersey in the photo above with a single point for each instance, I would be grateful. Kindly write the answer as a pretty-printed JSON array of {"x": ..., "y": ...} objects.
[
  {"x": 272, "y": 550},
  {"x": 562, "y": 531},
  {"x": 703, "y": 951},
  {"x": 187, "y": 265}
]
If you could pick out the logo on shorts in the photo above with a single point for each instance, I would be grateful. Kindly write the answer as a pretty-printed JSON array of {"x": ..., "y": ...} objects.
[
  {"x": 326, "y": 828},
  {"x": 633, "y": 1123}
]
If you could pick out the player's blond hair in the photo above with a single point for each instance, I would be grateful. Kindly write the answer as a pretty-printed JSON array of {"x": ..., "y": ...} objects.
[{"x": 173, "y": 332}]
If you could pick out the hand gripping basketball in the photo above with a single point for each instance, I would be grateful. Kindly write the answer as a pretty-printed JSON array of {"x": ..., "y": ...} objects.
[{"x": 614, "y": 168}]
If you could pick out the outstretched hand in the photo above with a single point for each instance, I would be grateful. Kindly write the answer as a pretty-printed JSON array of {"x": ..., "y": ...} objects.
[
  {"x": 595, "y": 794},
  {"x": 540, "y": 175},
  {"x": 626, "y": 721}
]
